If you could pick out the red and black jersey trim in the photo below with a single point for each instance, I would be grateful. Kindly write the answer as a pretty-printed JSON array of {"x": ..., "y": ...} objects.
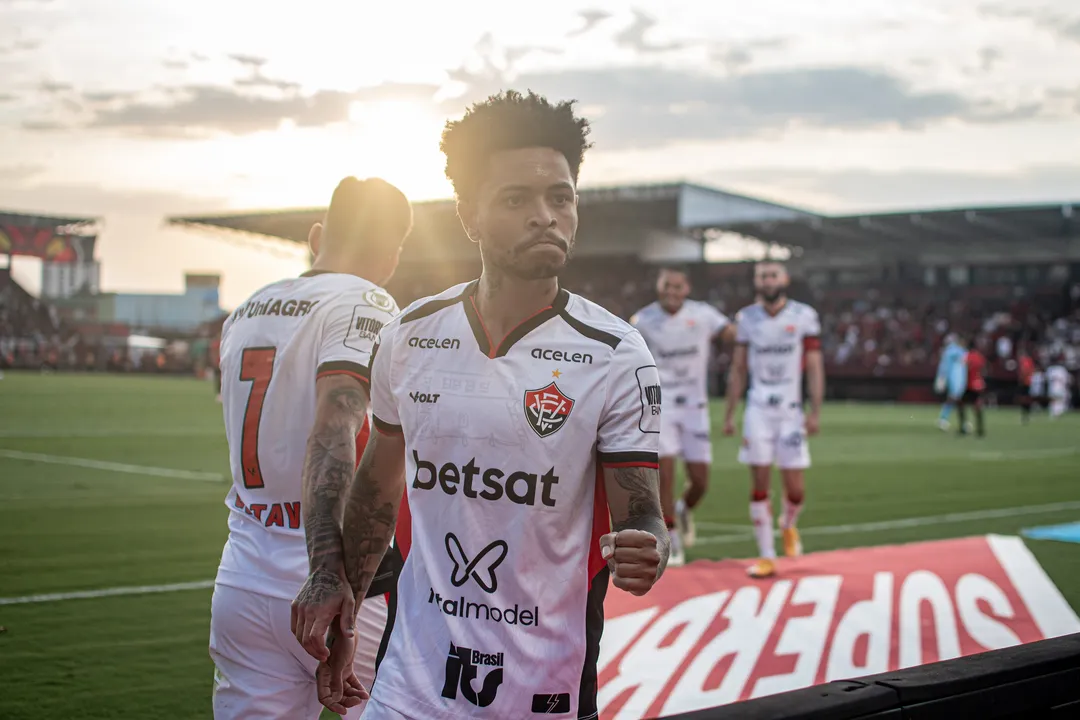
[
  {"x": 344, "y": 367},
  {"x": 484, "y": 341},
  {"x": 434, "y": 306},
  {"x": 590, "y": 332},
  {"x": 629, "y": 459},
  {"x": 386, "y": 428},
  {"x": 386, "y": 575}
]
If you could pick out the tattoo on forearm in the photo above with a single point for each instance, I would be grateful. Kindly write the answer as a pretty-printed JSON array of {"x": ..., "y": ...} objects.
[
  {"x": 643, "y": 510},
  {"x": 328, "y": 468},
  {"x": 370, "y": 515}
]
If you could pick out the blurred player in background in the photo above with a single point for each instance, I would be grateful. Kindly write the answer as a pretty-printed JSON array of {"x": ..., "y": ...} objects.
[
  {"x": 1038, "y": 388},
  {"x": 1025, "y": 368},
  {"x": 776, "y": 340},
  {"x": 1058, "y": 387},
  {"x": 214, "y": 352},
  {"x": 951, "y": 377},
  {"x": 294, "y": 361},
  {"x": 680, "y": 333},
  {"x": 975, "y": 362}
]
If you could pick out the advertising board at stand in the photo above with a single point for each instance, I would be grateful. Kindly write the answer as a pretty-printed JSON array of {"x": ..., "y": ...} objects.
[
  {"x": 708, "y": 635},
  {"x": 45, "y": 243}
]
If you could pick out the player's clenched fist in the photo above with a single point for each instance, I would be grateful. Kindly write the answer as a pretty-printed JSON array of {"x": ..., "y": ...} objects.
[{"x": 633, "y": 558}]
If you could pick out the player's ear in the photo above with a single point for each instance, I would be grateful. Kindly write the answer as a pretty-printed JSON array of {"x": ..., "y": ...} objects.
[
  {"x": 467, "y": 214},
  {"x": 314, "y": 238}
]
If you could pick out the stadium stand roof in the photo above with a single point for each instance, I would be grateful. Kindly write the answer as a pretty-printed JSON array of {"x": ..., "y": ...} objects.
[
  {"x": 37, "y": 220},
  {"x": 628, "y": 218},
  {"x": 977, "y": 231},
  {"x": 672, "y": 206},
  {"x": 619, "y": 219}
]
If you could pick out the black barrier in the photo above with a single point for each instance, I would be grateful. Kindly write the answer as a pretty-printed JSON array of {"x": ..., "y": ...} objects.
[{"x": 1037, "y": 680}]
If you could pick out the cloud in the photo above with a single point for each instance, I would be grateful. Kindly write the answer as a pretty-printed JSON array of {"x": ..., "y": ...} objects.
[
  {"x": 175, "y": 64},
  {"x": 7, "y": 97},
  {"x": 17, "y": 46},
  {"x": 208, "y": 108},
  {"x": 1064, "y": 26},
  {"x": 649, "y": 106},
  {"x": 633, "y": 37},
  {"x": 251, "y": 61},
  {"x": 592, "y": 18},
  {"x": 735, "y": 57},
  {"x": 96, "y": 200},
  {"x": 988, "y": 57},
  {"x": 54, "y": 88},
  {"x": 16, "y": 175},
  {"x": 638, "y": 106},
  {"x": 201, "y": 110}
]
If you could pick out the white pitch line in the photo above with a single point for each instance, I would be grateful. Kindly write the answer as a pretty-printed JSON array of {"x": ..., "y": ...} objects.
[
  {"x": 1025, "y": 454},
  {"x": 907, "y": 522},
  {"x": 113, "y": 467},
  {"x": 108, "y": 592},
  {"x": 134, "y": 432},
  {"x": 715, "y": 540}
]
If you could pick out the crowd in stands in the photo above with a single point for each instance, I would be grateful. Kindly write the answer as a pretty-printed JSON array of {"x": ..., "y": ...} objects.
[{"x": 866, "y": 331}]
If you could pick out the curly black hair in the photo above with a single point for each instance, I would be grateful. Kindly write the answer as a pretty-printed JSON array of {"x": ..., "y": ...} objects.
[{"x": 508, "y": 121}]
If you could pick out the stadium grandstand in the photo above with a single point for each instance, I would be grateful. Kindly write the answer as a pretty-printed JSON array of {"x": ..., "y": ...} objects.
[{"x": 889, "y": 287}]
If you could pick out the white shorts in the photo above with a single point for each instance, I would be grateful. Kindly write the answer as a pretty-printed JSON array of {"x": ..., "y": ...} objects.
[
  {"x": 377, "y": 711},
  {"x": 774, "y": 437},
  {"x": 261, "y": 671},
  {"x": 685, "y": 433}
]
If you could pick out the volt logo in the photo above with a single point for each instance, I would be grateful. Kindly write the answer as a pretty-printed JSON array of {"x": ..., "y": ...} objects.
[
  {"x": 480, "y": 568},
  {"x": 461, "y": 670},
  {"x": 419, "y": 397}
]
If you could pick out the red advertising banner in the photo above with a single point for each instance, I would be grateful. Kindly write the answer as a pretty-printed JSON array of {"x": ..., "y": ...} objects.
[
  {"x": 708, "y": 635},
  {"x": 44, "y": 243}
]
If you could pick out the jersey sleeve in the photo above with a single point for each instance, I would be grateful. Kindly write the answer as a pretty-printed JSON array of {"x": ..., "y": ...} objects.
[
  {"x": 715, "y": 320},
  {"x": 629, "y": 431},
  {"x": 811, "y": 330},
  {"x": 742, "y": 335},
  {"x": 349, "y": 333},
  {"x": 384, "y": 411}
]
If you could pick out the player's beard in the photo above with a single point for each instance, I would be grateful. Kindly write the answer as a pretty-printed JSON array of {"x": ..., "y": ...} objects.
[
  {"x": 522, "y": 267},
  {"x": 773, "y": 297}
]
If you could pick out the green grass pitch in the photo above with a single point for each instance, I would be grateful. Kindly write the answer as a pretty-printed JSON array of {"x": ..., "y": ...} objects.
[{"x": 71, "y": 528}]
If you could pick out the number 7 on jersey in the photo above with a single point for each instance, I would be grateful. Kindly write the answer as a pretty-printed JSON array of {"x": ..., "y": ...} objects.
[{"x": 256, "y": 367}]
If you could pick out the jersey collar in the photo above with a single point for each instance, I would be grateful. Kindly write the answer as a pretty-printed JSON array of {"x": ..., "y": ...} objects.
[
  {"x": 313, "y": 273},
  {"x": 484, "y": 341}
]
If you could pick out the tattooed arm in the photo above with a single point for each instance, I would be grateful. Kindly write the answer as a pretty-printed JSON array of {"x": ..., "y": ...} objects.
[
  {"x": 340, "y": 409},
  {"x": 637, "y": 549},
  {"x": 371, "y": 508}
]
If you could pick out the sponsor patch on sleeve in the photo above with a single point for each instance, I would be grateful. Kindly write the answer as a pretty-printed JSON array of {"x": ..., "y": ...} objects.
[
  {"x": 648, "y": 380},
  {"x": 380, "y": 300},
  {"x": 363, "y": 328}
]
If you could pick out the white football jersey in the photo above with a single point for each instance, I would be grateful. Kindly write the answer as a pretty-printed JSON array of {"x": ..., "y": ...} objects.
[
  {"x": 1057, "y": 379},
  {"x": 776, "y": 345},
  {"x": 500, "y": 600},
  {"x": 680, "y": 343},
  {"x": 273, "y": 348}
]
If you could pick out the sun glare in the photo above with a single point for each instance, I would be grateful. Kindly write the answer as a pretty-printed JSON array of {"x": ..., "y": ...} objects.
[{"x": 399, "y": 141}]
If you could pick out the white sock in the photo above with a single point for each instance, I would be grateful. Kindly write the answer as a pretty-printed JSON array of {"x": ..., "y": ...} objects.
[
  {"x": 789, "y": 514},
  {"x": 761, "y": 516}
]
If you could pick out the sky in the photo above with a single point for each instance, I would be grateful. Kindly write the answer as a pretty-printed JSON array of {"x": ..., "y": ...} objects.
[{"x": 133, "y": 110}]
